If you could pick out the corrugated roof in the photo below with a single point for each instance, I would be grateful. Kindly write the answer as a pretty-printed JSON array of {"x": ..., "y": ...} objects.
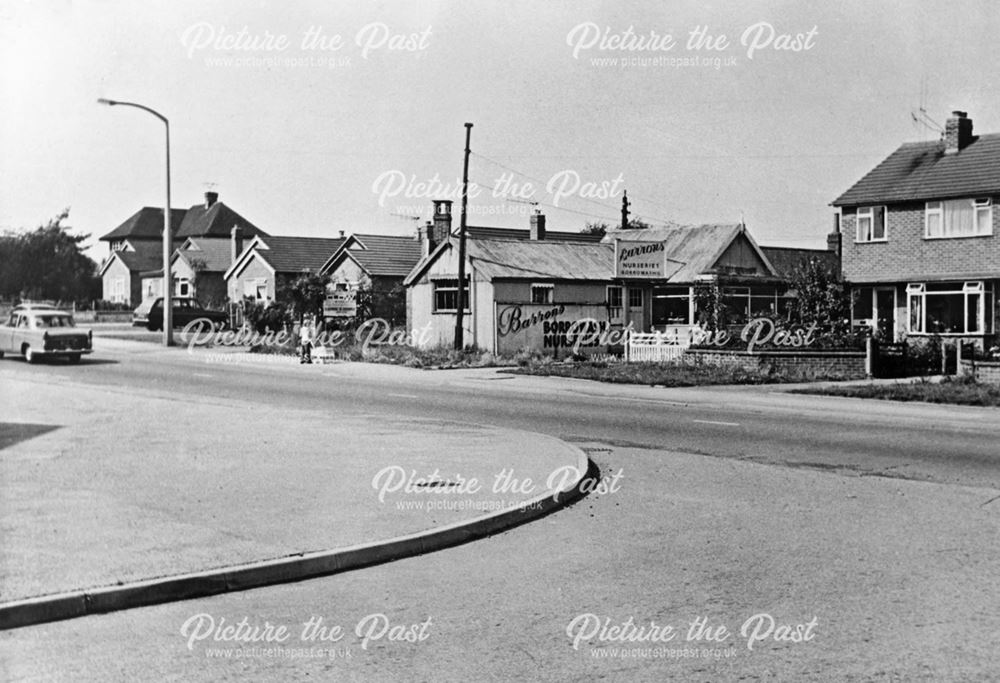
[
  {"x": 147, "y": 223},
  {"x": 541, "y": 259},
  {"x": 387, "y": 255},
  {"x": 786, "y": 260},
  {"x": 479, "y": 232},
  {"x": 692, "y": 249},
  {"x": 921, "y": 171},
  {"x": 216, "y": 221},
  {"x": 295, "y": 254}
]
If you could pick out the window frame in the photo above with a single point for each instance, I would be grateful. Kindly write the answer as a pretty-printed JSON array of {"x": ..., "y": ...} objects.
[
  {"x": 620, "y": 295},
  {"x": 969, "y": 288},
  {"x": 642, "y": 298},
  {"x": 445, "y": 285},
  {"x": 869, "y": 213},
  {"x": 547, "y": 287},
  {"x": 977, "y": 205}
]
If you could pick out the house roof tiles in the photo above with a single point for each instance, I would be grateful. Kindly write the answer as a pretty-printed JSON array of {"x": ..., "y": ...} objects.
[{"x": 922, "y": 171}]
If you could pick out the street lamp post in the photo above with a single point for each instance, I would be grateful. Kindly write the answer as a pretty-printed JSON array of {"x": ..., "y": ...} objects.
[{"x": 168, "y": 309}]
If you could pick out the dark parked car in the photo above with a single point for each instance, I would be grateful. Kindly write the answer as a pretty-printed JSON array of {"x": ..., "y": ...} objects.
[{"x": 185, "y": 309}]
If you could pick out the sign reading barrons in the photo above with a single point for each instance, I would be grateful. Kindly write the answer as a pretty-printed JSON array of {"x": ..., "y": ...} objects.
[
  {"x": 550, "y": 327},
  {"x": 640, "y": 259}
]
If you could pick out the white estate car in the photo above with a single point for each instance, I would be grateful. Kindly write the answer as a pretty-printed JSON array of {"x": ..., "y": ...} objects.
[{"x": 41, "y": 332}]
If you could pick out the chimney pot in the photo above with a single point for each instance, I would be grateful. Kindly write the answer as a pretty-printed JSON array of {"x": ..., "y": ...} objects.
[{"x": 210, "y": 199}]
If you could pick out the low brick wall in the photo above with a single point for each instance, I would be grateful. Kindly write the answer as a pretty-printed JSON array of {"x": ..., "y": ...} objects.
[
  {"x": 85, "y": 316},
  {"x": 985, "y": 371},
  {"x": 846, "y": 364}
]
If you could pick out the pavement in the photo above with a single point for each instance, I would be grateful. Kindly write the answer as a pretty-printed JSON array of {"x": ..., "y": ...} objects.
[{"x": 104, "y": 487}]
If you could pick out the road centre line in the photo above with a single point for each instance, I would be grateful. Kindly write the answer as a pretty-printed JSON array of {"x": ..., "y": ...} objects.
[{"x": 714, "y": 422}]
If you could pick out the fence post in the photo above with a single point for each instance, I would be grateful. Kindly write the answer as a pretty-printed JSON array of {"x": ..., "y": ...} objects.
[
  {"x": 628, "y": 339},
  {"x": 870, "y": 352},
  {"x": 944, "y": 357}
]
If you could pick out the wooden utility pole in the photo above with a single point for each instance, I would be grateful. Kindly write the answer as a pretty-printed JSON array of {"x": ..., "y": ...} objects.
[
  {"x": 625, "y": 205},
  {"x": 459, "y": 330}
]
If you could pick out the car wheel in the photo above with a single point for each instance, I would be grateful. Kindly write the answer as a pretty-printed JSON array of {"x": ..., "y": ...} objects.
[
  {"x": 29, "y": 355},
  {"x": 152, "y": 327},
  {"x": 73, "y": 358},
  {"x": 1, "y": 355}
]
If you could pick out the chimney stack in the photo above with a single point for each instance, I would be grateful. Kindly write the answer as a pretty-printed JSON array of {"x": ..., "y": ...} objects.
[
  {"x": 425, "y": 234},
  {"x": 442, "y": 221},
  {"x": 537, "y": 226},
  {"x": 211, "y": 198},
  {"x": 957, "y": 132},
  {"x": 236, "y": 244}
]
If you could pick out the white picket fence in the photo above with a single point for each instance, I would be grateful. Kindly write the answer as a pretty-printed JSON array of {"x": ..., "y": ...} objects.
[{"x": 654, "y": 347}]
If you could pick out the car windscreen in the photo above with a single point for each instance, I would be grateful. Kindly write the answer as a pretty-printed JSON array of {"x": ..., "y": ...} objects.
[{"x": 53, "y": 321}]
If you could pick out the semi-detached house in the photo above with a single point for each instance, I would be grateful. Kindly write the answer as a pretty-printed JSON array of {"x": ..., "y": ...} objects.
[{"x": 919, "y": 233}]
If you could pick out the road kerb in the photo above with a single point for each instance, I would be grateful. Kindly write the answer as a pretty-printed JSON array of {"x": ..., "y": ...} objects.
[{"x": 57, "y": 607}]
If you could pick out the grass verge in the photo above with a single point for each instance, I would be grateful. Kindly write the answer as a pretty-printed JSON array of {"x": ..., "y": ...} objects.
[
  {"x": 668, "y": 375},
  {"x": 956, "y": 391}
]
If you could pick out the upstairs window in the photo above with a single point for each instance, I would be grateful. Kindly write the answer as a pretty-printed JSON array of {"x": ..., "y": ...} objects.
[
  {"x": 959, "y": 218},
  {"x": 871, "y": 224},
  {"x": 542, "y": 294}
]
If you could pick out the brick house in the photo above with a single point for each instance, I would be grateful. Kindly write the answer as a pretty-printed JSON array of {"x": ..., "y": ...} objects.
[
  {"x": 269, "y": 262},
  {"x": 919, "y": 237},
  {"x": 375, "y": 264},
  {"x": 133, "y": 270}
]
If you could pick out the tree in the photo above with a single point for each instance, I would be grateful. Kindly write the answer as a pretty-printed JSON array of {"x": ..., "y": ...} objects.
[
  {"x": 47, "y": 263},
  {"x": 601, "y": 227},
  {"x": 381, "y": 301},
  {"x": 820, "y": 297},
  {"x": 304, "y": 295}
]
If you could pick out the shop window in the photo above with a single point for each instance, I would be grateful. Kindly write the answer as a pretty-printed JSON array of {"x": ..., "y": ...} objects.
[
  {"x": 446, "y": 296},
  {"x": 542, "y": 294},
  {"x": 614, "y": 296},
  {"x": 671, "y": 306}
]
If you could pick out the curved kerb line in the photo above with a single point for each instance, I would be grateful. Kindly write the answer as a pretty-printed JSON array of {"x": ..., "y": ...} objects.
[{"x": 291, "y": 568}]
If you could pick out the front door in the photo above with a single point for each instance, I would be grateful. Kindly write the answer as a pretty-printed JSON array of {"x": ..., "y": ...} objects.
[{"x": 885, "y": 312}]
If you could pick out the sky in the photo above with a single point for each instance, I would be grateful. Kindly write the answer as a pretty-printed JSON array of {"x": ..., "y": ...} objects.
[{"x": 313, "y": 117}]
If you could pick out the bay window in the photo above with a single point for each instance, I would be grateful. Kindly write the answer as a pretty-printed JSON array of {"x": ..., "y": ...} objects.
[
  {"x": 958, "y": 218},
  {"x": 946, "y": 307}
]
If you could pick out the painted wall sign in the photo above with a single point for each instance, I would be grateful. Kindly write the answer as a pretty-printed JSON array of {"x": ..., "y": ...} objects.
[
  {"x": 545, "y": 327},
  {"x": 340, "y": 304},
  {"x": 640, "y": 259}
]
